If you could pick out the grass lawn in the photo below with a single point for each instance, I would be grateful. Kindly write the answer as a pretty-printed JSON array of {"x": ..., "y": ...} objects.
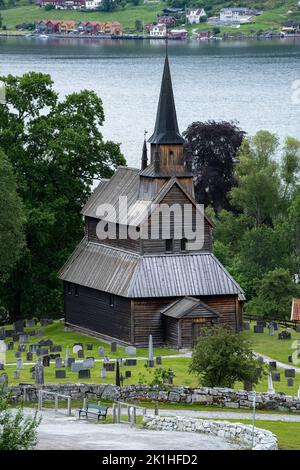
[
  {"x": 127, "y": 16},
  {"x": 271, "y": 346}
]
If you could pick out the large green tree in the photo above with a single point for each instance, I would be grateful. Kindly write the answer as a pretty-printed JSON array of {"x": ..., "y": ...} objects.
[
  {"x": 223, "y": 357},
  {"x": 57, "y": 149},
  {"x": 12, "y": 219}
]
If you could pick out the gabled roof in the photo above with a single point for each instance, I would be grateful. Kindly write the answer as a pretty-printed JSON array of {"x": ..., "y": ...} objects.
[
  {"x": 189, "y": 307},
  {"x": 295, "y": 314},
  {"x": 166, "y": 127},
  {"x": 128, "y": 274}
]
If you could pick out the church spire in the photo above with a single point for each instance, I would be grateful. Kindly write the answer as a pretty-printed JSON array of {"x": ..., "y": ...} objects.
[
  {"x": 144, "y": 154},
  {"x": 166, "y": 127}
]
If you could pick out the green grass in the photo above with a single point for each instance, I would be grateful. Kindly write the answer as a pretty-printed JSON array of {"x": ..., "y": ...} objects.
[
  {"x": 271, "y": 346},
  {"x": 146, "y": 13}
]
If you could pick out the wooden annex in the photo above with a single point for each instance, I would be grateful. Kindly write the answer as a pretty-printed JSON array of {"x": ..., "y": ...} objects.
[{"x": 126, "y": 288}]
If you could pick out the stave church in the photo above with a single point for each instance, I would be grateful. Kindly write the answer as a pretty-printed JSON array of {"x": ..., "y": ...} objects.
[{"x": 125, "y": 288}]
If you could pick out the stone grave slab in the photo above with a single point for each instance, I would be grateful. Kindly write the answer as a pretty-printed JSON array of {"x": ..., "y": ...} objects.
[
  {"x": 60, "y": 374},
  {"x": 58, "y": 362},
  {"x": 20, "y": 364},
  {"x": 89, "y": 363},
  {"x": 84, "y": 374},
  {"x": 16, "y": 374},
  {"x": 46, "y": 361},
  {"x": 127, "y": 374},
  {"x": 70, "y": 361},
  {"x": 77, "y": 366},
  {"x": 3, "y": 379},
  {"x": 109, "y": 366},
  {"x": 10, "y": 345},
  {"x": 258, "y": 329},
  {"x": 80, "y": 354},
  {"x": 101, "y": 351},
  {"x": 30, "y": 323},
  {"x": 130, "y": 351},
  {"x": 29, "y": 356},
  {"x": 276, "y": 376},
  {"x": 76, "y": 348},
  {"x": 89, "y": 347},
  {"x": 290, "y": 382},
  {"x": 103, "y": 373},
  {"x": 289, "y": 373},
  {"x": 113, "y": 346},
  {"x": 130, "y": 362},
  {"x": 17, "y": 354},
  {"x": 158, "y": 360}
]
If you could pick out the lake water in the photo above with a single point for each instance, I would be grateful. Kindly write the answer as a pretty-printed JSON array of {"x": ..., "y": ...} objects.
[{"x": 250, "y": 82}]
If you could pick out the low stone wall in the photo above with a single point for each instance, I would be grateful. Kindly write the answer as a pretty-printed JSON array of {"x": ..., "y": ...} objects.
[
  {"x": 241, "y": 434},
  {"x": 223, "y": 397}
]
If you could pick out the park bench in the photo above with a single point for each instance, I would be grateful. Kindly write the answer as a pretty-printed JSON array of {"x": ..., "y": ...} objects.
[{"x": 94, "y": 410}]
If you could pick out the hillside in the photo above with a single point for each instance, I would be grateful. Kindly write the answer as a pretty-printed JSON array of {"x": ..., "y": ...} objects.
[{"x": 275, "y": 12}]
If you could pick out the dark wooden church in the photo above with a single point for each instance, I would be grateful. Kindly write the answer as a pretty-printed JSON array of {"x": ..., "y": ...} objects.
[{"x": 125, "y": 288}]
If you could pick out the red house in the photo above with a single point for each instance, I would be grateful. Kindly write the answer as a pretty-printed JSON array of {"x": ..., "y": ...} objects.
[{"x": 167, "y": 20}]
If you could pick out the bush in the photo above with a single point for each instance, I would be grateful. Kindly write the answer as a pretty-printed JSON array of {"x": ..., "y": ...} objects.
[
  {"x": 223, "y": 357},
  {"x": 49, "y": 7}
]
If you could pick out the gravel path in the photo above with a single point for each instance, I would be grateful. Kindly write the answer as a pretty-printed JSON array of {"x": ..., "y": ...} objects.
[{"x": 59, "y": 432}]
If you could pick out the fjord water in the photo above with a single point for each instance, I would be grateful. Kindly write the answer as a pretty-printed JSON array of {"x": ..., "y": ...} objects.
[{"x": 247, "y": 81}]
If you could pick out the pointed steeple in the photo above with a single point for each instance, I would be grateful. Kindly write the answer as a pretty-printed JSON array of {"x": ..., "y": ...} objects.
[
  {"x": 166, "y": 127},
  {"x": 144, "y": 156}
]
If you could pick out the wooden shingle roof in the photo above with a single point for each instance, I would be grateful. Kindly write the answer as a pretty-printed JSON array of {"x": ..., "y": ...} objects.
[
  {"x": 295, "y": 314},
  {"x": 189, "y": 307}
]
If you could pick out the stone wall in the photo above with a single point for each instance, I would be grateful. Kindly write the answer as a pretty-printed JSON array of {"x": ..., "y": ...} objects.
[
  {"x": 238, "y": 433},
  {"x": 223, "y": 397}
]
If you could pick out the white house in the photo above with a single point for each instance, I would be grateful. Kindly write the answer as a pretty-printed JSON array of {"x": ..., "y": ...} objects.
[
  {"x": 194, "y": 15},
  {"x": 158, "y": 30},
  {"x": 236, "y": 15},
  {"x": 92, "y": 4}
]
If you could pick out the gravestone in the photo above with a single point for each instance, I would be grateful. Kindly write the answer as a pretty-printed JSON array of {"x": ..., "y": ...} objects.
[
  {"x": 290, "y": 359},
  {"x": 2, "y": 347},
  {"x": 298, "y": 329},
  {"x": 30, "y": 323},
  {"x": 29, "y": 356},
  {"x": 70, "y": 361},
  {"x": 289, "y": 373},
  {"x": 106, "y": 359},
  {"x": 150, "y": 352},
  {"x": 44, "y": 351},
  {"x": 101, "y": 351},
  {"x": 80, "y": 354},
  {"x": 258, "y": 329},
  {"x": 89, "y": 363},
  {"x": 16, "y": 374},
  {"x": 275, "y": 324},
  {"x": 246, "y": 326},
  {"x": 130, "y": 362},
  {"x": 77, "y": 366},
  {"x": 113, "y": 346},
  {"x": 276, "y": 376},
  {"x": 10, "y": 345},
  {"x": 60, "y": 374},
  {"x": 39, "y": 373},
  {"x": 284, "y": 335},
  {"x": 127, "y": 374},
  {"x": 39, "y": 333},
  {"x": 58, "y": 362},
  {"x": 46, "y": 361},
  {"x": 19, "y": 326},
  {"x": 76, "y": 348},
  {"x": 271, "y": 329},
  {"x": 103, "y": 373},
  {"x": 67, "y": 356},
  {"x": 130, "y": 351},
  {"x": 170, "y": 379},
  {"x": 20, "y": 364},
  {"x": 158, "y": 360},
  {"x": 22, "y": 348},
  {"x": 262, "y": 323},
  {"x": 2, "y": 333},
  {"x": 290, "y": 382},
  {"x": 17, "y": 354},
  {"x": 2, "y": 366},
  {"x": 89, "y": 347},
  {"x": 84, "y": 374},
  {"x": 109, "y": 366},
  {"x": 3, "y": 380},
  {"x": 33, "y": 348},
  {"x": 45, "y": 342},
  {"x": 273, "y": 365}
]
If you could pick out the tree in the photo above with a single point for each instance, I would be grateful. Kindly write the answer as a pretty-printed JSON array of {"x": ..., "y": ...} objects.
[
  {"x": 274, "y": 296},
  {"x": 257, "y": 193},
  {"x": 56, "y": 149},
  {"x": 12, "y": 218},
  {"x": 138, "y": 25},
  {"x": 17, "y": 432},
  {"x": 223, "y": 357},
  {"x": 214, "y": 146},
  {"x": 290, "y": 166}
]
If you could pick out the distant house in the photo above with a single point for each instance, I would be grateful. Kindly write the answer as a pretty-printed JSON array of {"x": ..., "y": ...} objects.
[
  {"x": 178, "y": 33},
  {"x": 158, "y": 31},
  {"x": 48, "y": 26},
  {"x": 290, "y": 27},
  {"x": 66, "y": 27},
  {"x": 295, "y": 314},
  {"x": 236, "y": 15},
  {"x": 93, "y": 4},
  {"x": 194, "y": 15},
  {"x": 167, "y": 20},
  {"x": 113, "y": 27},
  {"x": 203, "y": 35}
]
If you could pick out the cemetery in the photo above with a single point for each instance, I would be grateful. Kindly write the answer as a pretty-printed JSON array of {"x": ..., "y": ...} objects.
[{"x": 79, "y": 366}]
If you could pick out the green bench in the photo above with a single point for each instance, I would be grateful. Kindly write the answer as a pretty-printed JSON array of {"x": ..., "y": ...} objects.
[{"x": 94, "y": 411}]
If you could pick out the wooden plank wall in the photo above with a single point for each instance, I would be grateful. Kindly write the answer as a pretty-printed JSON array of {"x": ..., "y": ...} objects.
[
  {"x": 91, "y": 309},
  {"x": 126, "y": 244},
  {"x": 171, "y": 331},
  {"x": 148, "y": 320},
  {"x": 226, "y": 307}
]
